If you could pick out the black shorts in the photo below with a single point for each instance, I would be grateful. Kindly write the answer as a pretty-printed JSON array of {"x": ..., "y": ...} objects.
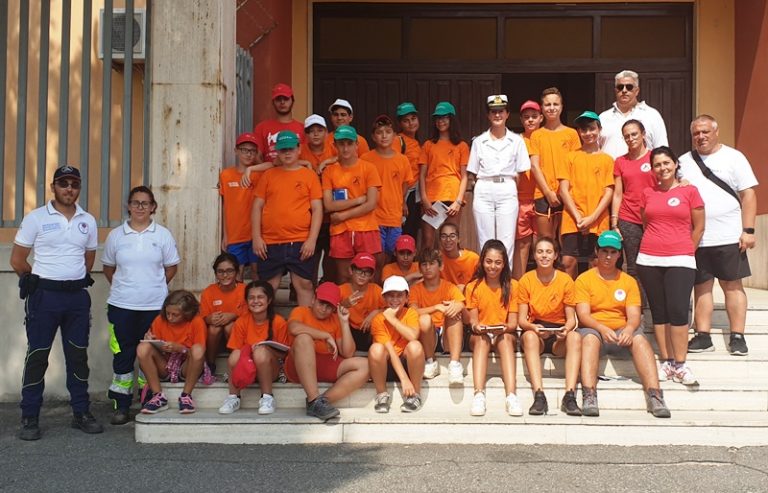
[
  {"x": 578, "y": 245},
  {"x": 391, "y": 375},
  {"x": 285, "y": 257},
  {"x": 542, "y": 208},
  {"x": 724, "y": 262},
  {"x": 362, "y": 339},
  {"x": 323, "y": 243}
]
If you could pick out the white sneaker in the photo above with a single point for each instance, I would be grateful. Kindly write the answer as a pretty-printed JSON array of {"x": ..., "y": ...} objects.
[
  {"x": 666, "y": 371},
  {"x": 431, "y": 369},
  {"x": 478, "y": 404},
  {"x": 455, "y": 373},
  {"x": 230, "y": 405},
  {"x": 512, "y": 404},
  {"x": 685, "y": 376},
  {"x": 266, "y": 404}
]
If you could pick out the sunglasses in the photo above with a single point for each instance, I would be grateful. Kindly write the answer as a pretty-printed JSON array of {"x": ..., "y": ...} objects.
[
  {"x": 628, "y": 87},
  {"x": 73, "y": 184}
]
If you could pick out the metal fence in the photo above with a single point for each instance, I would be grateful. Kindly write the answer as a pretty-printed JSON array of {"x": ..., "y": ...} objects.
[{"x": 244, "y": 76}]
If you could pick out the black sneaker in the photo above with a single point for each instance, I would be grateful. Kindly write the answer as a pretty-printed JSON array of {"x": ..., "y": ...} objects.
[
  {"x": 569, "y": 405},
  {"x": 120, "y": 417},
  {"x": 411, "y": 404},
  {"x": 321, "y": 409},
  {"x": 701, "y": 343},
  {"x": 87, "y": 423},
  {"x": 738, "y": 345},
  {"x": 540, "y": 405},
  {"x": 30, "y": 428}
]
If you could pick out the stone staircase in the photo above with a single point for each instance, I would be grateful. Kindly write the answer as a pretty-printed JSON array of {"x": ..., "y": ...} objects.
[{"x": 728, "y": 408}]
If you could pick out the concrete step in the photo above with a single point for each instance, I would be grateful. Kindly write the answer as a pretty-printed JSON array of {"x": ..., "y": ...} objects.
[{"x": 731, "y": 429}]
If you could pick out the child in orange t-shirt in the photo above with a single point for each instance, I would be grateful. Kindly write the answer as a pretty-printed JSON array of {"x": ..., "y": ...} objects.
[
  {"x": 220, "y": 305},
  {"x": 492, "y": 305},
  {"x": 405, "y": 250},
  {"x": 177, "y": 338},
  {"x": 323, "y": 350},
  {"x": 396, "y": 352},
  {"x": 287, "y": 214},
  {"x": 258, "y": 325},
  {"x": 440, "y": 305},
  {"x": 363, "y": 299},
  {"x": 395, "y": 173},
  {"x": 443, "y": 172},
  {"x": 407, "y": 143},
  {"x": 586, "y": 188},
  {"x": 350, "y": 194},
  {"x": 459, "y": 264}
]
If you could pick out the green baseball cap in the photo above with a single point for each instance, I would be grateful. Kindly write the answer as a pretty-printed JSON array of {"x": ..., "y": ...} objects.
[
  {"x": 610, "y": 239},
  {"x": 444, "y": 108},
  {"x": 587, "y": 115},
  {"x": 405, "y": 109},
  {"x": 286, "y": 140},
  {"x": 345, "y": 132}
]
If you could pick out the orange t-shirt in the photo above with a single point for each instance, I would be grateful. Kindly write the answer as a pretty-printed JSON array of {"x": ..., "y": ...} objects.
[
  {"x": 362, "y": 145},
  {"x": 552, "y": 147},
  {"x": 356, "y": 179},
  {"x": 421, "y": 297},
  {"x": 287, "y": 195},
  {"x": 383, "y": 331},
  {"x": 460, "y": 270},
  {"x": 213, "y": 299},
  {"x": 392, "y": 269},
  {"x": 487, "y": 301},
  {"x": 608, "y": 300},
  {"x": 237, "y": 204},
  {"x": 526, "y": 185},
  {"x": 394, "y": 172},
  {"x": 331, "y": 325},
  {"x": 306, "y": 154},
  {"x": 546, "y": 302},
  {"x": 444, "y": 162},
  {"x": 247, "y": 331},
  {"x": 588, "y": 176},
  {"x": 412, "y": 152},
  {"x": 370, "y": 301},
  {"x": 185, "y": 333}
]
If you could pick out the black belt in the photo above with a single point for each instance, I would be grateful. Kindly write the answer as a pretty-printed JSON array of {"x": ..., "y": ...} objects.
[{"x": 72, "y": 285}]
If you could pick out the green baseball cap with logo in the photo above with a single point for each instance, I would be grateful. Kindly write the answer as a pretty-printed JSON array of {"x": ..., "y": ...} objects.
[
  {"x": 405, "y": 109},
  {"x": 588, "y": 116},
  {"x": 610, "y": 239},
  {"x": 444, "y": 108},
  {"x": 345, "y": 132},
  {"x": 286, "y": 140}
]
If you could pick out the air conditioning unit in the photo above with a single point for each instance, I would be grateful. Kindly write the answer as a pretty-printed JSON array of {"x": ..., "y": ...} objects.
[{"x": 118, "y": 35}]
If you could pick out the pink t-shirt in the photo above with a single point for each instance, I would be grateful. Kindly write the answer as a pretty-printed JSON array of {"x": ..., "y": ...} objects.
[
  {"x": 267, "y": 131},
  {"x": 668, "y": 221},
  {"x": 636, "y": 175}
]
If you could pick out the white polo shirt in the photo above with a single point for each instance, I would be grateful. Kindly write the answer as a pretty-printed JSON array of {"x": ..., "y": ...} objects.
[
  {"x": 489, "y": 156},
  {"x": 140, "y": 258},
  {"x": 612, "y": 119},
  {"x": 722, "y": 225},
  {"x": 59, "y": 244}
]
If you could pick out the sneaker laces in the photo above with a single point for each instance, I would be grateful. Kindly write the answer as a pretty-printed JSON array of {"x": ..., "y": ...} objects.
[
  {"x": 187, "y": 400},
  {"x": 156, "y": 400},
  {"x": 382, "y": 398}
]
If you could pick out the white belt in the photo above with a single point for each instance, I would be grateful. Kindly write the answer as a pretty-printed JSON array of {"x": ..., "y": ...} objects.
[{"x": 497, "y": 178}]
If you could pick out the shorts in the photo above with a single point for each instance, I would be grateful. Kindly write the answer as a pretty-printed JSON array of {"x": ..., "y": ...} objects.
[
  {"x": 389, "y": 235},
  {"x": 285, "y": 257},
  {"x": 606, "y": 348},
  {"x": 578, "y": 245},
  {"x": 345, "y": 245},
  {"x": 243, "y": 252},
  {"x": 391, "y": 375},
  {"x": 542, "y": 208},
  {"x": 363, "y": 340},
  {"x": 547, "y": 344},
  {"x": 526, "y": 219},
  {"x": 327, "y": 368},
  {"x": 323, "y": 239},
  {"x": 725, "y": 262}
]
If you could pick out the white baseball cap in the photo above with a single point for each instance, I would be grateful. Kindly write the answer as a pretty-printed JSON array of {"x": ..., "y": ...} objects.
[
  {"x": 315, "y": 119},
  {"x": 341, "y": 102},
  {"x": 395, "y": 283}
]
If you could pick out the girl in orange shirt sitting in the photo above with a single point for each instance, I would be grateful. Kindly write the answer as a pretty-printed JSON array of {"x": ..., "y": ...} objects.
[
  {"x": 459, "y": 264},
  {"x": 492, "y": 305}
]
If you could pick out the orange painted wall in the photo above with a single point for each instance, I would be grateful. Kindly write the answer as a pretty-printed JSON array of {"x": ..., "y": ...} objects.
[
  {"x": 271, "y": 54},
  {"x": 751, "y": 80}
]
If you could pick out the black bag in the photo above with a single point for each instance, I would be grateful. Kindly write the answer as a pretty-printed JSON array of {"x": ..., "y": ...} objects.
[{"x": 713, "y": 177}]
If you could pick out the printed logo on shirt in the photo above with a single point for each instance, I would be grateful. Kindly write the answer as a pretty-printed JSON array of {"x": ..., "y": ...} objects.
[
  {"x": 298, "y": 187},
  {"x": 645, "y": 167},
  {"x": 620, "y": 295},
  {"x": 83, "y": 227},
  {"x": 673, "y": 202},
  {"x": 271, "y": 139},
  {"x": 233, "y": 184},
  {"x": 217, "y": 302},
  {"x": 51, "y": 227},
  {"x": 356, "y": 180},
  {"x": 395, "y": 175}
]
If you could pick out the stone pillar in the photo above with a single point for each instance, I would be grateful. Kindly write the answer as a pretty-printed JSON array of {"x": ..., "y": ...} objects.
[{"x": 192, "y": 126}]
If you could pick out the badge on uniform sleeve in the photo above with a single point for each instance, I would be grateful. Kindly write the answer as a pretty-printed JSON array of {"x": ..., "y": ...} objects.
[
  {"x": 83, "y": 227},
  {"x": 673, "y": 202},
  {"x": 620, "y": 295}
]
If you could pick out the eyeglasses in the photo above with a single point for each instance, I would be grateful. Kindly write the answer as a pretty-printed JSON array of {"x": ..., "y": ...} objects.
[
  {"x": 248, "y": 150},
  {"x": 451, "y": 236},
  {"x": 225, "y": 272},
  {"x": 136, "y": 204},
  {"x": 628, "y": 87},
  {"x": 362, "y": 272},
  {"x": 73, "y": 184}
]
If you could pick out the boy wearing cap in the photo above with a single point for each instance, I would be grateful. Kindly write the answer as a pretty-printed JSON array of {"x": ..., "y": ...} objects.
[
  {"x": 405, "y": 252},
  {"x": 341, "y": 115},
  {"x": 530, "y": 119},
  {"x": 266, "y": 131},
  {"x": 287, "y": 213},
  {"x": 363, "y": 298},
  {"x": 440, "y": 305},
  {"x": 323, "y": 351},
  {"x": 396, "y": 351},
  {"x": 350, "y": 194},
  {"x": 408, "y": 122},
  {"x": 395, "y": 173},
  {"x": 314, "y": 150},
  {"x": 586, "y": 187}
]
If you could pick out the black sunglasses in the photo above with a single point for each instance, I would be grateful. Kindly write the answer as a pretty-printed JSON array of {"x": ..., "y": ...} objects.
[
  {"x": 73, "y": 184},
  {"x": 628, "y": 87}
]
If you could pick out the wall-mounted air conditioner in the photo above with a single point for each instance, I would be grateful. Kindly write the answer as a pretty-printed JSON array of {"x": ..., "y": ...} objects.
[{"x": 118, "y": 35}]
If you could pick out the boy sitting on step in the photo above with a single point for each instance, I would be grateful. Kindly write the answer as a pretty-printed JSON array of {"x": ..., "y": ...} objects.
[{"x": 362, "y": 297}]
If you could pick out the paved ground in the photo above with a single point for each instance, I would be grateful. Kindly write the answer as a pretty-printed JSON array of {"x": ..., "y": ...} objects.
[{"x": 68, "y": 460}]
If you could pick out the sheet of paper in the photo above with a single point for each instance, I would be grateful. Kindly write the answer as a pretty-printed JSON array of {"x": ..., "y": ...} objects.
[{"x": 439, "y": 219}]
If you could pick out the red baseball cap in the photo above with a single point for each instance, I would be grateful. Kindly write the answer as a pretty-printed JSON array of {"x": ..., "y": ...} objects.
[
  {"x": 530, "y": 105},
  {"x": 328, "y": 292},
  {"x": 244, "y": 372},
  {"x": 405, "y": 242},
  {"x": 246, "y": 137},
  {"x": 282, "y": 90},
  {"x": 364, "y": 261}
]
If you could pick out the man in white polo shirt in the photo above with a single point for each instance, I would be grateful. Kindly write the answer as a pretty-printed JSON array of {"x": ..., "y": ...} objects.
[
  {"x": 730, "y": 205},
  {"x": 627, "y": 107},
  {"x": 64, "y": 238}
]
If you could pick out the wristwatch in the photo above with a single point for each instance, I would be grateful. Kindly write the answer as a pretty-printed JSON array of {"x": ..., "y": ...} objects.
[{"x": 749, "y": 231}]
